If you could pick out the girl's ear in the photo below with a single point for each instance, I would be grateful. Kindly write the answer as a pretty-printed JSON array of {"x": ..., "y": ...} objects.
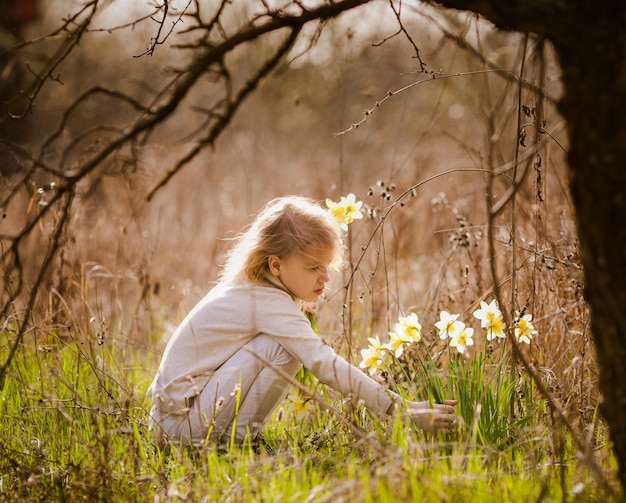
[{"x": 273, "y": 262}]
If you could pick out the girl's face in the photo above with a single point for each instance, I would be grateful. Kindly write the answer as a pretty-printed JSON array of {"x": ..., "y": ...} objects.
[{"x": 305, "y": 276}]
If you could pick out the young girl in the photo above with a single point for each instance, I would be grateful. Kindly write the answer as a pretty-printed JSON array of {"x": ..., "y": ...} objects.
[{"x": 225, "y": 368}]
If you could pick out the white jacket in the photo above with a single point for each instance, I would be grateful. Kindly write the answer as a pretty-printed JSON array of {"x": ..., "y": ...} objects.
[{"x": 227, "y": 318}]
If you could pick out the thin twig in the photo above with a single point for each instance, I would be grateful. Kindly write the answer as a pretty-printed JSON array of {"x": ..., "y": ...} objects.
[{"x": 432, "y": 76}]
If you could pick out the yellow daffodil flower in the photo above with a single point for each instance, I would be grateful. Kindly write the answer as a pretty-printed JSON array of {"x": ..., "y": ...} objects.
[
  {"x": 491, "y": 319},
  {"x": 371, "y": 359},
  {"x": 298, "y": 406},
  {"x": 524, "y": 329},
  {"x": 346, "y": 211},
  {"x": 448, "y": 325},
  {"x": 396, "y": 343},
  {"x": 406, "y": 331},
  {"x": 462, "y": 339},
  {"x": 410, "y": 327}
]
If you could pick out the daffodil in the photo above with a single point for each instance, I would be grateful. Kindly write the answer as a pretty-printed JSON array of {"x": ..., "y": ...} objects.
[
  {"x": 524, "y": 329},
  {"x": 353, "y": 208},
  {"x": 372, "y": 356},
  {"x": 396, "y": 343},
  {"x": 461, "y": 339},
  {"x": 406, "y": 331},
  {"x": 410, "y": 327},
  {"x": 298, "y": 406},
  {"x": 346, "y": 211},
  {"x": 338, "y": 212},
  {"x": 448, "y": 325},
  {"x": 491, "y": 319},
  {"x": 376, "y": 344},
  {"x": 371, "y": 359}
]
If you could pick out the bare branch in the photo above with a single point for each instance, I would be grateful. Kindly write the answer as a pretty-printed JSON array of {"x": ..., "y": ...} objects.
[
  {"x": 48, "y": 73},
  {"x": 433, "y": 76},
  {"x": 157, "y": 40},
  {"x": 402, "y": 29},
  {"x": 232, "y": 106}
]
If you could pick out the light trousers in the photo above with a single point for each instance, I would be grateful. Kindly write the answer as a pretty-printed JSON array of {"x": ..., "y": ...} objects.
[{"x": 237, "y": 399}]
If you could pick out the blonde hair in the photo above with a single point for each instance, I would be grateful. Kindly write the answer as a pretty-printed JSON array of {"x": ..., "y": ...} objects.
[{"x": 290, "y": 225}]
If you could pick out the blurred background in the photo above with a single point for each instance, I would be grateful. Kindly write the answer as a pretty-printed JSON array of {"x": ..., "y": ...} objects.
[{"x": 439, "y": 105}]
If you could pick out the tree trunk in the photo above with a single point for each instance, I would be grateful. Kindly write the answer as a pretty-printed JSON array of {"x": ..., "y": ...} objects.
[{"x": 594, "y": 105}]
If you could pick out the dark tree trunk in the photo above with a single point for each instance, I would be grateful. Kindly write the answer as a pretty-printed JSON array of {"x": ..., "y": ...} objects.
[
  {"x": 594, "y": 105},
  {"x": 590, "y": 41}
]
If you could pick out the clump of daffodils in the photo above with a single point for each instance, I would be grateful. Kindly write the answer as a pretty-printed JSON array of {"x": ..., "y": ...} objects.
[
  {"x": 408, "y": 330},
  {"x": 492, "y": 321},
  {"x": 346, "y": 211}
]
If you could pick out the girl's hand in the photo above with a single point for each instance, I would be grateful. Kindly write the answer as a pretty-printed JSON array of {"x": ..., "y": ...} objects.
[
  {"x": 440, "y": 418},
  {"x": 309, "y": 307}
]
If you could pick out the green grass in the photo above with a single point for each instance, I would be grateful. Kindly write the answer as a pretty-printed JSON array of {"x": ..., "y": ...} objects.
[{"x": 75, "y": 428}]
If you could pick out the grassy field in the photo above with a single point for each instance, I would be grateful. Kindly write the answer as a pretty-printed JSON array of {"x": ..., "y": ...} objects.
[
  {"x": 74, "y": 425},
  {"x": 429, "y": 164}
]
